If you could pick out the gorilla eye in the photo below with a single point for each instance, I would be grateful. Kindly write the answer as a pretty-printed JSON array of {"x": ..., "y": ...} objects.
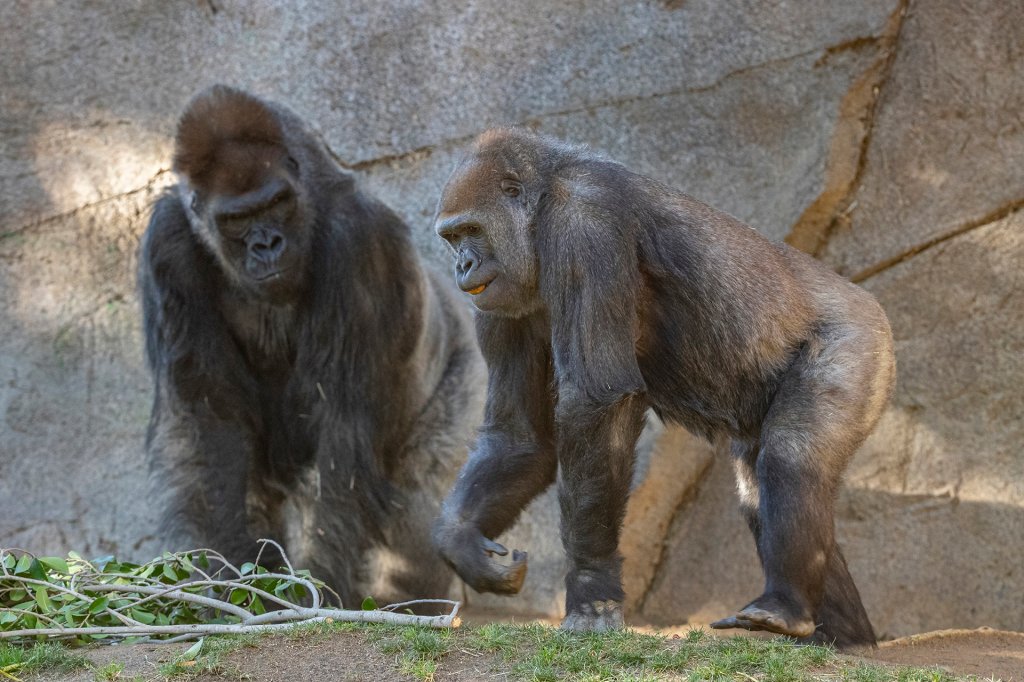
[
  {"x": 293, "y": 163},
  {"x": 194, "y": 204},
  {"x": 472, "y": 231},
  {"x": 511, "y": 188}
]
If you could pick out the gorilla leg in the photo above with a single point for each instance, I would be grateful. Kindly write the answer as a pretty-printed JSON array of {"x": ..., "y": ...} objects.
[
  {"x": 788, "y": 484},
  {"x": 745, "y": 461}
]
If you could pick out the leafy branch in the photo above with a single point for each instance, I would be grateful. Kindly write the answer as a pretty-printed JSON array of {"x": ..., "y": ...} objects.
[{"x": 180, "y": 596}]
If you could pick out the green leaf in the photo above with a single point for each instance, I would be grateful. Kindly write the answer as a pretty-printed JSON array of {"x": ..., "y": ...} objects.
[
  {"x": 98, "y": 605},
  {"x": 369, "y": 604},
  {"x": 256, "y": 606},
  {"x": 238, "y": 596},
  {"x": 6, "y": 617},
  {"x": 17, "y": 595},
  {"x": 10, "y": 561},
  {"x": 24, "y": 562},
  {"x": 55, "y": 563},
  {"x": 35, "y": 570},
  {"x": 204, "y": 561},
  {"x": 102, "y": 562},
  {"x": 193, "y": 651},
  {"x": 170, "y": 574},
  {"x": 247, "y": 567},
  {"x": 143, "y": 616},
  {"x": 43, "y": 599}
]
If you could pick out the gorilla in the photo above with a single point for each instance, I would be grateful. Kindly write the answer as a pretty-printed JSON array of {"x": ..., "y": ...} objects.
[
  {"x": 602, "y": 293},
  {"x": 314, "y": 382}
]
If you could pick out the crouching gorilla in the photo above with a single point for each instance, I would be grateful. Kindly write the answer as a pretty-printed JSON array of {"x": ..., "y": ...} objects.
[
  {"x": 314, "y": 382},
  {"x": 602, "y": 293}
]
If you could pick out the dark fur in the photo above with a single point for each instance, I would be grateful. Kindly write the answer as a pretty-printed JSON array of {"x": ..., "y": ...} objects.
[
  {"x": 328, "y": 408},
  {"x": 608, "y": 293}
]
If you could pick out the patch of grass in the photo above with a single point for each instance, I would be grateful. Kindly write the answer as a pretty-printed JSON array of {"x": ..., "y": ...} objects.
[
  {"x": 318, "y": 630},
  {"x": 530, "y": 653},
  {"x": 535, "y": 653},
  {"x": 16, "y": 659},
  {"x": 108, "y": 673},
  {"x": 416, "y": 649},
  {"x": 206, "y": 655}
]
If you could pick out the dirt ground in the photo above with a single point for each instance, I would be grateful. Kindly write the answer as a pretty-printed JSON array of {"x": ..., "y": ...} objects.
[{"x": 985, "y": 653}]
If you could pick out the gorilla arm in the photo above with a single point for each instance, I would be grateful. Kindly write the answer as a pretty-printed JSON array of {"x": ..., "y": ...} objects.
[
  {"x": 513, "y": 460},
  {"x": 201, "y": 431},
  {"x": 589, "y": 281}
]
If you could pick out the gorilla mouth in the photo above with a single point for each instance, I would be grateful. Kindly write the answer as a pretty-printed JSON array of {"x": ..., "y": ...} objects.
[
  {"x": 268, "y": 276},
  {"x": 476, "y": 290}
]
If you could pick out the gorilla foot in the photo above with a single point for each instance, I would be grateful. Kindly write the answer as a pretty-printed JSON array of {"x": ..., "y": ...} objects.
[
  {"x": 771, "y": 615},
  {"x": 471, "y": 554},
  {"x": 596, "y": 616}
]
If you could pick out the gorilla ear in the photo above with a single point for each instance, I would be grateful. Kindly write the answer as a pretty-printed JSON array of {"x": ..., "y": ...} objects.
[{"x": 216, "y": 116}]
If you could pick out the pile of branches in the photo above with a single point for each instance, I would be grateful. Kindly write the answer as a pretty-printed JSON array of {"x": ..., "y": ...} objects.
[{"x": 178, "y": 596}]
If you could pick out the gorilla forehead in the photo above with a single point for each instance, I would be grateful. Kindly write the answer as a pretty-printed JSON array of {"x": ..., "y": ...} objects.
[
  {"x": 496, "y": 154},
  {"x": 469, "y": 185}
]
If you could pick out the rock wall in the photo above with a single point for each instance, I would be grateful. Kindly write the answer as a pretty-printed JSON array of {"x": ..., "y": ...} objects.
[{"x": 884, "y": 136}]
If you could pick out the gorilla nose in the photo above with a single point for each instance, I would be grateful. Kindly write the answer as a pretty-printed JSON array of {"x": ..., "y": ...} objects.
[
  {"x": 466, "y": 263},
  {"x": 267, "y": 245}
]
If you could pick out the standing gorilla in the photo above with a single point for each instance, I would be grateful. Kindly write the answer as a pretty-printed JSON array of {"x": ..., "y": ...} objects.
[
  {"x": 601, "y": 293},
  {"x": 314, "y": 383}
]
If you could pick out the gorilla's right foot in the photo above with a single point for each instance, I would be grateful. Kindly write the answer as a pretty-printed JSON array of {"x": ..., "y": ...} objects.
[{"x": 770, "y": 614}]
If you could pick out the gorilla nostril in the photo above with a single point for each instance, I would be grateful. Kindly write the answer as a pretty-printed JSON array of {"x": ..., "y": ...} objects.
[{"x": 276, "y": 244}]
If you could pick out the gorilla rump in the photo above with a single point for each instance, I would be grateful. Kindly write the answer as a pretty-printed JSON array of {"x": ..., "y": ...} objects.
[
  {"x": 314, "y": 382},
  {"x": 602, "y": 293}
]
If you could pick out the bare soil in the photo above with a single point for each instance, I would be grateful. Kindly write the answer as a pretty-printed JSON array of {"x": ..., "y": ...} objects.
[{"x": 985, "y": 653}]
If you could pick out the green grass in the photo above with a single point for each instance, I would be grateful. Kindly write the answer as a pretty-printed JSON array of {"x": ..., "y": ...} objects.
[
  {"x": 109, "y": 673},
  {"x": 16, "y": 660},
  {"x": 524, "y": 653},
  {"x": 206, "y": 656},
  {"x": 537, "y": 653}
]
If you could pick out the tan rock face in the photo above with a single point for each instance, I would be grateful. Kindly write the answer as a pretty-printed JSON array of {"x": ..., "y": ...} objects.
[{"x": 884, "y": 135}]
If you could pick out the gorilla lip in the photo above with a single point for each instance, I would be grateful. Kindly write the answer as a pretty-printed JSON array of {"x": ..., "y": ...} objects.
[
  {"x": 266, "y": 277},
  {"x": 476, "y": 290}
]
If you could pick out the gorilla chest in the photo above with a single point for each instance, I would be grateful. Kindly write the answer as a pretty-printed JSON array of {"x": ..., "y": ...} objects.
[{"x": 266, "y": 334}]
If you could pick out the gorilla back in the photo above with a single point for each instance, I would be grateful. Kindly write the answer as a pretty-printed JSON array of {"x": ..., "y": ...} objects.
[{"x": 314, "y": 382}]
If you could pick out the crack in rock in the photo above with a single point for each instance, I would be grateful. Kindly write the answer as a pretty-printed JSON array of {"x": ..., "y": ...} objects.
[
  {"x": 535, "y": 120},
  {"x": 1000, "y": 213},
  {"x": 152, "y": 182},
  {"x": 848, "y": 149}
]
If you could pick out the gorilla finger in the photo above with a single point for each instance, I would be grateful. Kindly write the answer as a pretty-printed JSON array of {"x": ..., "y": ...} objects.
[{"x": 492, "y": 547}]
